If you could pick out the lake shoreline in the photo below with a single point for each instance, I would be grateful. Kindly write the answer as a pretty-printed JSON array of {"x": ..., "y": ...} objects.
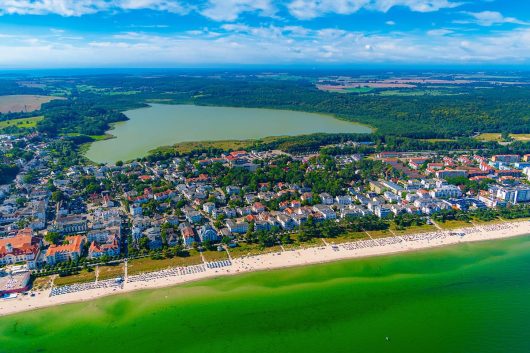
[
  {"x": 160, "y": 126},
  {"x": 285, "y": 259}
]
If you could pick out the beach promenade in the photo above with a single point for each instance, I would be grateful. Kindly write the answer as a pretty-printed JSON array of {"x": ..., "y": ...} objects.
[{"x": 269, "y": 261}]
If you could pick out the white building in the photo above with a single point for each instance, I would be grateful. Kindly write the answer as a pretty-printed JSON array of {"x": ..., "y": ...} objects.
[
  {"x": 237, "y": 227},
  {"x": 446, "y": 191}
]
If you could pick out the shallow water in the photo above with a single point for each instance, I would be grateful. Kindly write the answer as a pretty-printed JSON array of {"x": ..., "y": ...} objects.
[{"x": 464, "y": 298}]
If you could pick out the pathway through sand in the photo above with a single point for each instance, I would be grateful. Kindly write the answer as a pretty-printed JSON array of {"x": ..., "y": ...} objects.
[{"x": 275, "y": 260}]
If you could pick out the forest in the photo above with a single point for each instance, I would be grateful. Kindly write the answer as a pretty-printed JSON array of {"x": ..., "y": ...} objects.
[
  {"x": 94, "y": 102},
  {"x": 488, "y": 110}
]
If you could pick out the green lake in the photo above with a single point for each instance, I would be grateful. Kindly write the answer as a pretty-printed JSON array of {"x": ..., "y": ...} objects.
[
  {"x": 161, "y": 125},
  {"x": 466, "y": 298}
]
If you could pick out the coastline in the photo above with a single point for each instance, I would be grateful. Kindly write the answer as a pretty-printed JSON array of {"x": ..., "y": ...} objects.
[{"x": 279, "y": 260}]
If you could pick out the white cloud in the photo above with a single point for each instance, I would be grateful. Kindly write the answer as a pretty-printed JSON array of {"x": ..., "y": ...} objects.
[
  {"x": 439, "y": 32},
  {"x": 84, "y": 7},
  {"x": 415, "y": 5},
  {"x": 489, "y": 18},
  {"x": 159, "y": 5},
  {"x": 229, "y": 10},
  {"x": 309, "y": 9},
  {"x": 390, "y": 23},
  {"x": 240, "y": 44},
  {"x": 218, "y": 10}
]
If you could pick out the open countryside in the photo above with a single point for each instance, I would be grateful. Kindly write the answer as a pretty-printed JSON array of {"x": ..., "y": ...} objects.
[
  {"x": 498, "y": 137},
  {"x": 161, "y": 125},
  {"x": 23, "y": 103},
  {"x": 23, "y": 123}
]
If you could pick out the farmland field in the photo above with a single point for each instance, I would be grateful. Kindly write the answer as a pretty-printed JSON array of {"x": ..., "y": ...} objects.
[
  {"x": 23, "y": 103},
  {"x": 495, "y": 136}
]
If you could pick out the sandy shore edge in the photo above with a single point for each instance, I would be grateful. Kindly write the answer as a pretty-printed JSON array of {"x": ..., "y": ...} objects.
[{"x": 278, "y": 260}]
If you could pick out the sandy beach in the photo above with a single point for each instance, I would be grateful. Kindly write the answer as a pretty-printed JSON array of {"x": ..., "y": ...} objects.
[{"x": 276, "y": 260}]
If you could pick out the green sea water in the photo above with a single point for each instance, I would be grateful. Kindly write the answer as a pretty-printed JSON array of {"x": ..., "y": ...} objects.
[{"x": 466, "y": 298}]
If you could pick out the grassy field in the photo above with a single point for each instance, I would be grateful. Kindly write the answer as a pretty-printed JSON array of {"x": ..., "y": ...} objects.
[
  {"x": 356, "y": 90},
  {"x": 271, "y": 249},
  {"x": 82, "y": 277},
  {"x": 376, "y": 234},
  {"x": 454, "y": 224},
  {"x": 416, "y": 92},
  {"x": 95, "y": 137},
  {"x": 245, "y": 249},
  {"x": 438, "y": 140},
  {"x": 211, "y": 256},
  {"x": 148, "y": 265},
  {"x": 23, "y": 123},
  {"x": 413, "y": 230},
  {"x": 107, "y": 272},
  {"x": 347, "y": 238},
  {"x": 309, "y": 244},
  {"x": 42, "y": 283},
  {"x": 186, "y": 147},
  {"x": 494, "y": 136}
]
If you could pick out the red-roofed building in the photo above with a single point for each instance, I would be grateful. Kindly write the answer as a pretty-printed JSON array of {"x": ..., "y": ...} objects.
[
  {"x": 450, "y": 173},
  {"x": 22, "y": 247},
  {"x": 202, "y": 178},
  {"x": 478, "y": 177},
  {"x": 448, "y": 161},
  {"x": 258, "y": 207},
  {"x": 506, "y": 158},
  {"x": 239, "y": 154},
  {"x": 435, "y": 166},
  {"x": 509, "y": 172},
  {"x": 296, "y": 204},
  {"x": 283, "y": 205},
  {"x": 416, "y": 163},
  {"x": 473, "y": 172},
  {"x": 188, "y": 235},
  {"x": 464, "y": 160},
  {"x": 486, "y": 167},
  {"x": 96, "y": 251},
  {"x": 72, "y": 250},
  {"x": 145, "y": 178},
  {"x": 479, "y": 159}
]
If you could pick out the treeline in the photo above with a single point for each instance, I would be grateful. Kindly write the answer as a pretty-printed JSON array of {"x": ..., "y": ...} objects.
[
  {"x": 82, "y": 115},
  {"x": 497, "y": 109},
  {"x": 486, "y": 214},
  {"x": 11, "y": 87}
]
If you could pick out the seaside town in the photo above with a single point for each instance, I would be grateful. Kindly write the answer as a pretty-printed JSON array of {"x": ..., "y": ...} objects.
[{"x": 66, "y": 228}]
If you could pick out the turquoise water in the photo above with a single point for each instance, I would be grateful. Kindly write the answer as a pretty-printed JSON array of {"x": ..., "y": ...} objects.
[{"x": 466, "y": 298}]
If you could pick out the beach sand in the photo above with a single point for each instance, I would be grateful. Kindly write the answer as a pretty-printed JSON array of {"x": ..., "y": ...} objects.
[{"x": 358, "y": 249}]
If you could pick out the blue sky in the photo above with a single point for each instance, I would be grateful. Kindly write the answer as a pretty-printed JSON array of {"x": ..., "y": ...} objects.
[{"x": 209, "y": 33}]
